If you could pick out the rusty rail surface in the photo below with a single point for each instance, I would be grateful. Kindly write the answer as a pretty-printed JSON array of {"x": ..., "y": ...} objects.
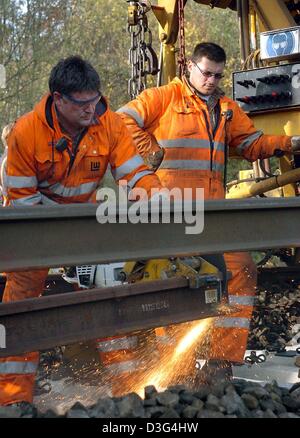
[
  {"x": 45, "y": 322},
  {"x": 53, "y": 236}
]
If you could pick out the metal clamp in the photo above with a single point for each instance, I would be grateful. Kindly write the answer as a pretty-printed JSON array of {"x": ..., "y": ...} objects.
[{"x": 254, "y": 358}]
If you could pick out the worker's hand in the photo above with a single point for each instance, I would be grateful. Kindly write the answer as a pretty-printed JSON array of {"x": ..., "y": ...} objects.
[
  {"x": 295, "y": 142},
  {"x": 154, "y": 159}
]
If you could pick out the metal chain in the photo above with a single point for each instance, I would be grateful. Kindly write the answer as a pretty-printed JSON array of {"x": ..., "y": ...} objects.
[
  {"x": 142, "y": 57},
  {"x": 181, "y": 57}
]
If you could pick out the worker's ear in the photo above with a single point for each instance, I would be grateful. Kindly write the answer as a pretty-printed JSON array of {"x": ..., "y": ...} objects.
[
  {"x": 56, "y": 98},
  {"x": 189, "y": 66}
]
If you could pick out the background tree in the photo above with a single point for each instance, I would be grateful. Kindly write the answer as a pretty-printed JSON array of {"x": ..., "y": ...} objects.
[{"x": 35, "y": 34}]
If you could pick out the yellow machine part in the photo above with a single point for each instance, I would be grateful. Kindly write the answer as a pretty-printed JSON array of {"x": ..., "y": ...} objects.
[
  {"x": 272, "y": 123},
  {"x": 280, "y": 123},
  {"x": 271, "y": 187},
  {"x": 166, "y": 13},
  {"x": 242, "y": 189},
  {"x": 276, "y": 17},
  {"x": 160, "y": 269}
]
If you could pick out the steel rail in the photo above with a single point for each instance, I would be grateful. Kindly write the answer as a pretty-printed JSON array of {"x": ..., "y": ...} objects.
[
  {"x": 67, "y": 235},
  {"x": 45, "y": 322}
]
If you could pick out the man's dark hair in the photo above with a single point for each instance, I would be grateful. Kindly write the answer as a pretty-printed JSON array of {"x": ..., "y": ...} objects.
[
  {"x": 73, "y": 74},
  {"x": 209, "y": 50}
]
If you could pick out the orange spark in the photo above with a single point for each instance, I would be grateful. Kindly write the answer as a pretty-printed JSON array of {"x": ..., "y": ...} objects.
[{"x": 171, "y": 363}]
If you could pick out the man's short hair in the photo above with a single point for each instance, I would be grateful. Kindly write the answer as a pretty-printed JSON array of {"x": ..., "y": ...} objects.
[
  {"x": 72, "y": 75},
  {"x": 209, "y": 50}
]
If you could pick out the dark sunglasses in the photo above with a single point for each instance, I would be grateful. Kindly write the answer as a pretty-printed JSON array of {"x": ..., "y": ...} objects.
[
  {"x": 82, "y": 103},
  {"x": 209, "y": 74}
]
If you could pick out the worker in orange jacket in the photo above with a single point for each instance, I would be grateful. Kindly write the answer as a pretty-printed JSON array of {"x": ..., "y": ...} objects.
[
  {"x": 183, "y": 131},
  {"x": 58, "y": 154}
]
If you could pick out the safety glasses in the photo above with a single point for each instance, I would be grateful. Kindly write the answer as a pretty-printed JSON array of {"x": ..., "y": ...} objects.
[
  {"x": 83, "y": 103},
  {"x": 209, "y": 74}
]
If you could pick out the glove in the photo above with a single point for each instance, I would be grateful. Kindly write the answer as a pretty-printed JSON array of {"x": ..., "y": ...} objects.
[
  {"x": 295, "y": 142},
  {"x": 295, "y": 147},
  {"x": 154, "y": 159}
]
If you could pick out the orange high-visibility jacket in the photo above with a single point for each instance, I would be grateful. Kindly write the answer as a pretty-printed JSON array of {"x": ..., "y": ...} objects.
[
  {"x": 174, "y": 118},
  {"x": 39, "y": 173}
]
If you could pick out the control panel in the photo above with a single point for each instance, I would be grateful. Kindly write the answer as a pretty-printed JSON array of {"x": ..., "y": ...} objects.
[{"x": 268, "y": 88}]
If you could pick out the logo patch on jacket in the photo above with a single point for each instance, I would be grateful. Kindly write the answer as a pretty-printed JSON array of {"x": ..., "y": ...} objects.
[{"x": 95, "y": 166}]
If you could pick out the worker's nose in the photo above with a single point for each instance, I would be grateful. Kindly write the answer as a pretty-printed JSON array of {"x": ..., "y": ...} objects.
[{"x": 212, "y": 80}]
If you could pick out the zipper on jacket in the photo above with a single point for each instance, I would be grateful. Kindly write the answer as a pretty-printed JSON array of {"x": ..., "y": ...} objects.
[
  {"x": 72, "y": 156},
  {"x": 211, "y": 140},
  {"x": 75, "y": 146}
]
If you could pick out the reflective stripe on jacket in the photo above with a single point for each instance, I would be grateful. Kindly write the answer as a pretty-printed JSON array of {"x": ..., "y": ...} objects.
[
  {"x": 37, "y": 172},
  {"x": 13, "y": 367},
  {"x": 122, "y": 358}
]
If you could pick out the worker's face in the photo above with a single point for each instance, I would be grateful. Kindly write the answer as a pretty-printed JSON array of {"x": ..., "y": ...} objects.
[
  {"x": 205, "y": 75},
  {"x": 78, "y": 108}
]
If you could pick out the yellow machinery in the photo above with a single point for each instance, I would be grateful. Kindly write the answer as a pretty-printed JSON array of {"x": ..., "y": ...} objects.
[
  {"x": 196, "y": 268},
  {"x": 271, "y": 99},
  {"x": 200, "y": 272}
]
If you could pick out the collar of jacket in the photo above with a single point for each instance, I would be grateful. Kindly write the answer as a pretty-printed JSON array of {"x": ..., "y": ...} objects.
[
  {"x": 46, "y": 112},
  {"x": 189, "y": 91}
]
